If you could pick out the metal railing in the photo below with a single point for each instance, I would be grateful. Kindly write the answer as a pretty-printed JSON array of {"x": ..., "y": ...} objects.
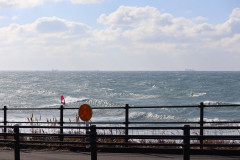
[
  {"x": 95, "y": 139},
  {"x": 186, "y": 143}
]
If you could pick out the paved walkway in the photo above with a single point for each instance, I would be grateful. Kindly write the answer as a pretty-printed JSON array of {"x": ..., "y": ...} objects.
[{"x": 55, "y": 155}]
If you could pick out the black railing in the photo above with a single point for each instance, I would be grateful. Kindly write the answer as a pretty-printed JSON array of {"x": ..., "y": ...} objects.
[
  {"x": 125, "y": 123},
  {"x": 110, "y": 135},
  {"x": 95, "y": 139}
]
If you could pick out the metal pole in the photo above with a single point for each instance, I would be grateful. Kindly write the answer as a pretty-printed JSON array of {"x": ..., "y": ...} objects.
[
  {"x": 5, "y": 121},
  {"x": 126, "y": 121},
  {"x": 201, "y": 124},
  {"x": 16, "y": 145},
  {"x": 61, "y": 122},
  {"x": 186, "y": 141},
  {"x": 93, "y": 139}
]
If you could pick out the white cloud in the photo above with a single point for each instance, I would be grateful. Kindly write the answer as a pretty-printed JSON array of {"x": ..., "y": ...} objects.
[
  {"x": 34, "y": 3},
  {"x": 14, "y": 18},
  {"x": 19, "y": 3},
  {"x": 200, "y": 18},
  {"x": 138, "y": 37},
  {"x": 86, "y": 1},
  {"x": 51, "y": 34},
  {"x": 148, "y": 31},
  {"x": 130, "y": 16},
  {"x": 51, "y": 25},
  {"x": 3, "y": 17},
  {"x": 148, "y": 24},
  {"x": 235, "y": 13}
]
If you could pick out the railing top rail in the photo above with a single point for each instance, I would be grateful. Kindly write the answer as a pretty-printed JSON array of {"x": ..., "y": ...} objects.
[
  {"x": 130, "y": 128},
  {"x": 50, "y": 108},
  {"x": 123, "y": 107},
  {"x": 122, "y": 123}
]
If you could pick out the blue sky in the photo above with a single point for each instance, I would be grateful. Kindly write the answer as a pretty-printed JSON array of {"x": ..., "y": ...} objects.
[{"x": 120, "y": 35}]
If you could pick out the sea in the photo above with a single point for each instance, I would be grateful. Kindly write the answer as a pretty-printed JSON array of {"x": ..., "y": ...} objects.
[{"x": 43, "y": 89}]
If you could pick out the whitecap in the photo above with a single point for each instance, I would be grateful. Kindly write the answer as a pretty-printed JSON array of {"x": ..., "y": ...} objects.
[
  {"x": 211, "y": 103},
  {"x": 198, "y": 94},
  {"x": 70, "y": 99},
  {"x": 150, "y": 116}
]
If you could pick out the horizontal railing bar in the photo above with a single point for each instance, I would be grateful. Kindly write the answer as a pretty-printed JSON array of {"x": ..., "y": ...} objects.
[
  {"x": 98, "y": 128},
  {"x": 140, "y": 144},
  {"x": 24, "y": 122},
  {"x": 7, "y": 134},
  {"x": 122, "y": 123},
  {"x": 187, "y": 106},
  {"x": 163, "y": 122},
  {"x": 215, "y": 145},
  {"x": 53, "y": 127},
  {"x": 6, "y": 140},
  {"x": 57, "y": 142},
  {"x": 143, "y": 128},
  {"x": 142, "y": 136},
  {"x": 130, "y": 107},
  {"x": 95, "y": 123},
  {"x": 104, "y": 122},
  {"x": 65, "y": 122},
  {"x": 148, "y": 107},
  {"x": 51, "y": 135},
  {"x": 216, "y": 137},
  {"x": 220, "y": 127},
  {"x": 192, "y": 137},
  {"x": 195, "y": 122},
  {"x": 223, "y": 122},
  {"x": 57, "y": 108},
  {"x": 34, "y": 122}
]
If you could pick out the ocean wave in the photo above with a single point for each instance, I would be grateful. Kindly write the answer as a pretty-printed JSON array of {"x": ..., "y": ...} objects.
[
  {"x": 101, "y": 103},
  {"x": 70, "y": 99},
  {"x": 198, "y": 94},
  {"x": 141, "y": 96},
  {"x": 213, "y": 103},
  {"x": 206, "y": 120},
  {"x": 150, "y": 116},
  {"x": 108, "y": 89},
  {"x": 2, "y": 95},
  {"x": 107, "y": 118}
]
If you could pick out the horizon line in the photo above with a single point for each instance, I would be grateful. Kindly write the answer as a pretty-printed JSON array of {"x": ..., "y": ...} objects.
[{"x": 58, "y": 70}]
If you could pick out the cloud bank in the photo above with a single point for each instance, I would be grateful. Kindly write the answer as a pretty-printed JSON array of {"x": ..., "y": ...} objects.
[
  {"x": 134, "y": 38},
  {"x": 34, "y": 3}
]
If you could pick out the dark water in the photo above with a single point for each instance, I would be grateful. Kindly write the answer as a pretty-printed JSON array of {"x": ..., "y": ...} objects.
[{"x": 108, "y": 89}]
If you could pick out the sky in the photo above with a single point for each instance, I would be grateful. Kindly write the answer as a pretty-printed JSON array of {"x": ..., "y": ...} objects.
[{"x": 120, "y": 35}]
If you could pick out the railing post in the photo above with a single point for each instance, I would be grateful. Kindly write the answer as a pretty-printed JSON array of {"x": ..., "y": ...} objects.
[
  {"x": 16, "y": 143},
  {"x": 93, "y": 142},
  {"x": 126, "y": 122},
  {"x": 186, "y": 141},
  {"x": 5, "y": 121},
  {"x": 201, "y": 124},
  {"x": 61, "y": 122}
]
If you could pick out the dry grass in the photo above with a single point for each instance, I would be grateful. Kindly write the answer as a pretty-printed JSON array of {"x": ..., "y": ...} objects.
[{"x": 34, "y": 121}]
